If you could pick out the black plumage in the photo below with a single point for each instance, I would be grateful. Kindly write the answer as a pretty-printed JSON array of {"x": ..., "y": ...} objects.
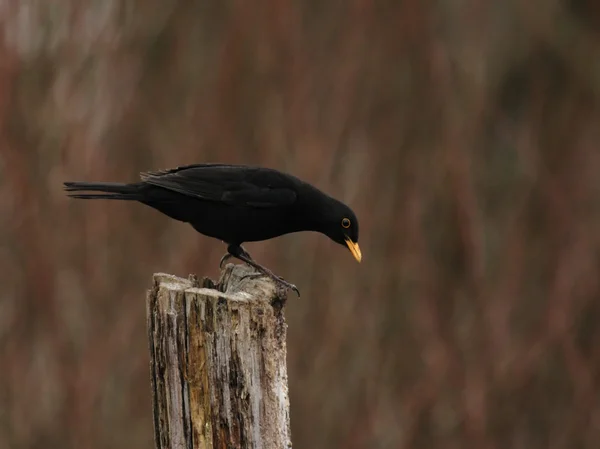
[{"x": 235, "y": 204}]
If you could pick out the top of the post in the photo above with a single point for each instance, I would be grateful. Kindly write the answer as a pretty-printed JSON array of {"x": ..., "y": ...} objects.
[{"x": 232, "y": 285}]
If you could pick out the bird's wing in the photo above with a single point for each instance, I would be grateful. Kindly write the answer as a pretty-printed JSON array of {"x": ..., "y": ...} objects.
[{"x": 253, "y": 187}]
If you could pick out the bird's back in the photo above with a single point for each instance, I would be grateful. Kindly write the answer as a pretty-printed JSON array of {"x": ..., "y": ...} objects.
[{"x": 232, "y": 203}]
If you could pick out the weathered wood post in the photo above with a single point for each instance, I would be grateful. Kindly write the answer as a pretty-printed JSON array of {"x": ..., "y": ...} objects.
[{"x": 218, "y": 362}]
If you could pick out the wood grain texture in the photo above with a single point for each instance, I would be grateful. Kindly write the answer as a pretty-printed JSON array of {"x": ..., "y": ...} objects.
[{"x": 218, "y": 362}]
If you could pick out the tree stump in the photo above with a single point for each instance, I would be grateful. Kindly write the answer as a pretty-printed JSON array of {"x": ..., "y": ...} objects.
[{"x": 218, "y": 362}]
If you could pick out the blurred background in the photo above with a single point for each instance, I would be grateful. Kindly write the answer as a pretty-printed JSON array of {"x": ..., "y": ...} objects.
[{"x": 463, "y": 133}]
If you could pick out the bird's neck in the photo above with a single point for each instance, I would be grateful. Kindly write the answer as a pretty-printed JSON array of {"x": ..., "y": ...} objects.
[{"x": 316, "y": 213}]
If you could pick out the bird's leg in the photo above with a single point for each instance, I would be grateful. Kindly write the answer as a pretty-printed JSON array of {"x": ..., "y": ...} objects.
[
  {"x": 228, "y": 255},
  {"x": 239, "y": 253}
]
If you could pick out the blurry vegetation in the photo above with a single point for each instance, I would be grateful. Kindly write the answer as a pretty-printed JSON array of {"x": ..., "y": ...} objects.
[{"x": 464, "y": 134}]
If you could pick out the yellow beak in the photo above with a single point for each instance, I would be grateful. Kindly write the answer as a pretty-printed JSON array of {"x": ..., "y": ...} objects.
[{"x": 354, "y": 249}]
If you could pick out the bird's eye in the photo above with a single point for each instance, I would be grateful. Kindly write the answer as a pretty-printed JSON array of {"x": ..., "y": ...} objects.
[{"x": 345, "y": 223}]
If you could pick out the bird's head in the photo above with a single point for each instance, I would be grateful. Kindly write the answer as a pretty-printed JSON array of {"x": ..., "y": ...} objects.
[{"x": 342, "y": 228}]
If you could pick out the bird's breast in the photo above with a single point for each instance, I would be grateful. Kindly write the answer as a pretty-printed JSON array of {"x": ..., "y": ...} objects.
[{"x": 237, "y": 224}]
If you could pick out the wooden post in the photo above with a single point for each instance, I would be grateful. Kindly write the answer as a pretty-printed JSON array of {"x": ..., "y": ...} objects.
[{"x": 218, "y": 362}]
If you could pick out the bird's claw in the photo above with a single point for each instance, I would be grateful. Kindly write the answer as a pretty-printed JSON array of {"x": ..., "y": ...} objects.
[
  {"x": 225, "y": 257},
  {"x": 294, "y": 289},
  {"x": 287, "y": 285}
]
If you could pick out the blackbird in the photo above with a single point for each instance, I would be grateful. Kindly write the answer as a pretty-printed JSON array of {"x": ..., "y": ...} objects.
[{"x": 236, "y": 204}]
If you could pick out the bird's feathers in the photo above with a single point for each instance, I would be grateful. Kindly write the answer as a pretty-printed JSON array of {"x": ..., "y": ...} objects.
[
  {"x": 109, "y": 190},
  {"x": 225, "y": 183}
]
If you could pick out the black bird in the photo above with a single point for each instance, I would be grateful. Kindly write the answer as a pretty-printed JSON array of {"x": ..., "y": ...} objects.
[{"x": 236, "y": 204}]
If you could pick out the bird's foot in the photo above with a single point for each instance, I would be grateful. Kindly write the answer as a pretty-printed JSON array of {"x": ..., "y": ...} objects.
[
  {"x": 240, "y": 253},
  {"x": 279, "y": 280},
  {"x": 237, "y": 251}
]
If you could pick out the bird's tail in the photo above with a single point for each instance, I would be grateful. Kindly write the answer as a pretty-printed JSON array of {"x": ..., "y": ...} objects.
[{"x": 109, "y": 191}]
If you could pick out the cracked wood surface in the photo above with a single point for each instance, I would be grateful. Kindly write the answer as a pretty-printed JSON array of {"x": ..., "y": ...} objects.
[{"x": 218, "y": 362}]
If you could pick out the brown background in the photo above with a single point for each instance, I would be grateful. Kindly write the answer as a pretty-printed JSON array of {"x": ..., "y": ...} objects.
[{"x": 464, "y": 134}]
